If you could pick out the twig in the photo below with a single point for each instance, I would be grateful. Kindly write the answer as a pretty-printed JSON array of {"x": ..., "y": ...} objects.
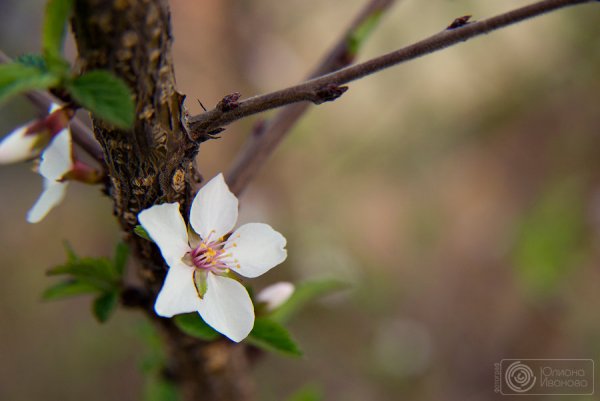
[
  {"x": 267, "y": 135},
  {"x": 316, "y": 90},
  {"x": 81, "y": 133}
]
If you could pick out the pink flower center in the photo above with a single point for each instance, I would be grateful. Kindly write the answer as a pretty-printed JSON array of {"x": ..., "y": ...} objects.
[{"x": 210, "y": 255}]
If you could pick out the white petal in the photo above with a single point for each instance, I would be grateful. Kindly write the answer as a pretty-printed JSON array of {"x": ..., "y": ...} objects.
[
  {"x": 18, "y": 147},
  {"x": 166, "y": 227},
  {"x": 254, "y": 249},
  {"x": 56, "y": 158},
  {"x": 227, "y": 307},
  {"x": 53, "y": 193},
  {"x": 215, "y": 209},
  {"x": 276, "y": 294},
  {"x": 178, "y": 294}
]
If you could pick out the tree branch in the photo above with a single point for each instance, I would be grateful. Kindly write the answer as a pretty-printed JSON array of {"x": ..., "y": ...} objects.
[
  {"x": 82, "y": 135},
  {"x": 268, "y": 134},
  {"x": 328, "y": 87}
]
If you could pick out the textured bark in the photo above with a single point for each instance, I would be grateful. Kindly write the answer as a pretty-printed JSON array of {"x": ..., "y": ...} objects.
[{"x": 153, "y": 163}]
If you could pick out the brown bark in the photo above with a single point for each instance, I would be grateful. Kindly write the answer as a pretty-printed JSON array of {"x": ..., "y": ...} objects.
[{"x": 153, "y": 163}]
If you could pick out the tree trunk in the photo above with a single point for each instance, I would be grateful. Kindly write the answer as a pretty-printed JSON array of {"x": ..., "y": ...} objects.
[{"x": 154, "y": 163}]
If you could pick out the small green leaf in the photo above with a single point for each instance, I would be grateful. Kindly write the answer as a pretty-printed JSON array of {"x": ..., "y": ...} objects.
[
  {"x": 270, "y": 335},
  {"x": 358, "y": 36},
  {"x": 66, "y": 289},
  {"x": 121, "y": 256},
  {"x": 17, "y": 78},
  {"x": 33, "y": 60},
  {"x": 105, "y": 95},
  {"x": 141, "y": 232},
  {"x": 105, "y": 305},
  {"x": 53, "y": 34},
  {"x": 303, "y": 294},
  {"x": 307, "y": 393},
  {"x": 98, "y": 272},
  {"x": 193, "y": 325},
  {"x": 71, "y": 255},
  {"x": 201, "y": 282}
]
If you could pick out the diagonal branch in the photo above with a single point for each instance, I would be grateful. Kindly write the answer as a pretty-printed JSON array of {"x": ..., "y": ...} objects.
[
  {"x": 328, "y": 87},
  {"x": 268, "y": 135}
]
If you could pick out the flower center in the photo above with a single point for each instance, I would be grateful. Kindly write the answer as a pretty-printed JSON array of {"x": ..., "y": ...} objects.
[{"x": 209, "y": 255}]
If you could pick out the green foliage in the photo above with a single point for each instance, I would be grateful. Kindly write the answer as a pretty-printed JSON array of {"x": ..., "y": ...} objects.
[
  {"x": 307, "y": 393},
  {"x": 17, "y": 77},
  {"x": 53, "y": 34},
  {"x": 193, "y": 325},
  {"x": 550, "y": 238},
  {"x": 272, "y": 336},
  {"x": 358, "y": 36},
  {"x": 33, "y": 60},
  {"x": 305, "y": 293},
  {"x": 99, "y": 276},
  {"x": 141, "y": 232},
  {"x": 105, "y": 95}
]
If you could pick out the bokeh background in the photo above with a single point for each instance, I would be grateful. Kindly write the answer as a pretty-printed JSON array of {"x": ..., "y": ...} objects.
[{"x": 459, "y": 194}]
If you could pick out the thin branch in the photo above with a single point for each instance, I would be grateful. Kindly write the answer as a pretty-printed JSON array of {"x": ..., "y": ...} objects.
[
  {"x": 328, "y": 87},
  {"x": 81, "y": 133},
  {"x": 268, "y": 134}
]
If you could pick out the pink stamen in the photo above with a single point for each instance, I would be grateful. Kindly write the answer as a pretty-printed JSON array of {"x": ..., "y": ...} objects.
[{"x": 209, "y": 255}]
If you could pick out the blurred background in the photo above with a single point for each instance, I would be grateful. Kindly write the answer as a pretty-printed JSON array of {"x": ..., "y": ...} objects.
[{"x": 459, "y": 194}]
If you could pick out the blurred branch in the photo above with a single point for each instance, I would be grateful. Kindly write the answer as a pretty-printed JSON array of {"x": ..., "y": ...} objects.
[
  {"x": 81, "y": 133},
  {"x": 328, "y": 87},
  {"x": 268, "y": 134}
]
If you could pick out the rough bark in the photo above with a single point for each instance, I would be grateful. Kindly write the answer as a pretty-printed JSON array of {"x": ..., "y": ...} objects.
[{"x": 153, "y": 163}]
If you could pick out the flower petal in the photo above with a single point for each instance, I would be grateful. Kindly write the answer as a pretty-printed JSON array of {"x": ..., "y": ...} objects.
[
  {"x": 214, "y": 209},
  {"x": 254, "y": 249},
  {"x": 56, "y": 158},
  {"x": 18, "y": 147},
  {"x": 227, "y": 307},
  {"x": 276, "y": 294},
  {"x": 166, "y": 227},
  {"x": 178, "y": 294},
  {"x": 53, "y": 193}
]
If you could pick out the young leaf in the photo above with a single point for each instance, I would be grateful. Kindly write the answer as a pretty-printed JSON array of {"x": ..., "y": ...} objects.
[
  {"x": 105, "y": 95},
  {"x": 141, "y": 232},
  {"x": 121, "y": 256},
  {"x": 193, "y": 325},
  {"x": 270, "y": 335},
  {"x": 303, "y": 294},
  {"x": 53, "y": 34},
  {"x": 69, "y": 288},
  {"x": 16, "y": 78},
  {"x": 33, "y": 60},
  {"x": 98, "y": 272},
  {"x": 105, "y": 305}
]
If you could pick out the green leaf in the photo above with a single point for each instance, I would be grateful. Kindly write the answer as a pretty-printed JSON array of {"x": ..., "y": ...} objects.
[
  {"x": 33, "y": 60},
  {"x": 98, "y": 272},
  {"x": 270, "y": 335},
  {"x": 105, "y": 305},
  {"x": 121, "y": 256},
  {"x": 17, "y": 78},
  {"x": 303, "y": 294},
  {"x": 66, "y": 289},
  {"x": 193, "y": 325},
  {"x": 358, "y": 36},
  {"x": 53, "y": 34},
  {"x": 71, "y": 255},
  {"x": 105, "y": 95},
  {"x": 141, "y": 232},
  {"x": 307, "y": 393}
]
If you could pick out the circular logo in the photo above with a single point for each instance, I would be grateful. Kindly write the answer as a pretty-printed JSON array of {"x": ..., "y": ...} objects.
[{"x": 519, "y": 377}]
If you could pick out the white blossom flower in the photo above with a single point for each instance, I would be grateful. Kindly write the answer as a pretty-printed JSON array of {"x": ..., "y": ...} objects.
[
  {"x": 199, "y": 262},
  {"x": 275, "y": 295},
  {"x": 56, "y": 162}
]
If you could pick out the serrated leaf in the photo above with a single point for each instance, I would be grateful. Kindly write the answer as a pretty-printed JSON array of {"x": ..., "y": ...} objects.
[
  {"x": 66, "y": 289},
  {"x": 17, "y": 78},
  {"x": 33, "y": 60},
  {"x": 55, "y": 24},
  {"x": 303, "y": 294},
  {"x": 105, "y": 95},
  {"x": 121, "y": 256},
  {"x": 193, "y": 325},
  {"x": 141, "y": 232},
  {"x": 358, "y": 36},
  {"x": 105, "y": 305},
  {"x": 270, "y": 335}
]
